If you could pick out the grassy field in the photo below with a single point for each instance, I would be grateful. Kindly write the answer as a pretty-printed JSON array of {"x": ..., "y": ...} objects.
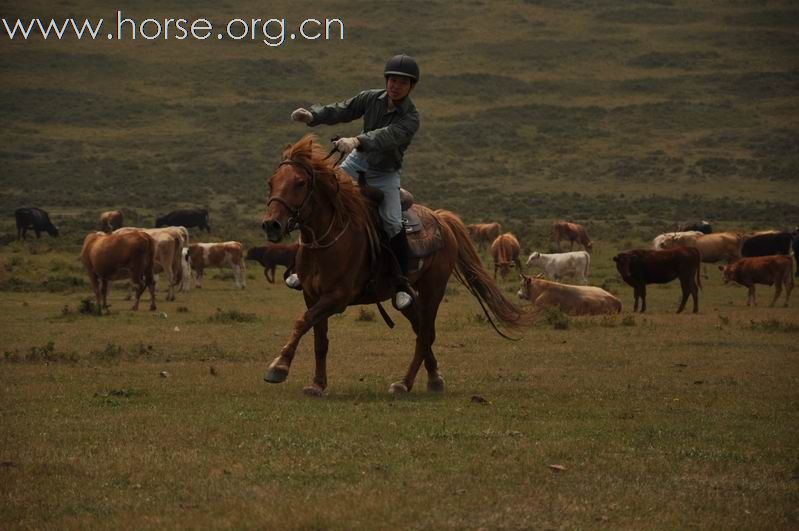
[{"x": 625, "y": 116}]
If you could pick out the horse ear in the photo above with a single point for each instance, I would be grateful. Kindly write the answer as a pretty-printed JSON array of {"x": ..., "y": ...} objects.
[{"x": 286, "y": 152}]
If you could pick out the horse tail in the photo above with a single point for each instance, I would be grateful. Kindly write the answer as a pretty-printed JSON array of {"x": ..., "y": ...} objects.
[{"x": 470, "y": 272}]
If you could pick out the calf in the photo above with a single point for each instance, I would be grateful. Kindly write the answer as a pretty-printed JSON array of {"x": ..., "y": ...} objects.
[
  {"x": 108, "y": 257},
  {"x": 227, "y": 254},
  {"x": 556, "y": 266},
  {"x": 767, "y": 244},
  {"x": 111, "y": 221},
  {"x": 36, "y": 219},
  {"x": 563, "y": 230},
  {"x": 505, "y": 251},
  {"x": 573, "y": 300},
  {"x": 641, "y": 267},
  {"x": 271, "y": 256},
  {"x": 167, "y": 245},
  {"x": 766, "y": 270},
  {"x": 484, "y": 233}
]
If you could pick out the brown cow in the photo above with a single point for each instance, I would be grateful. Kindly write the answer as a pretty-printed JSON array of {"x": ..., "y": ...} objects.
[
  {"x": 271, "y": 256},
  {"x": 218, "y": 255},
  {"x": 641, "y": 267},
  {"x": 167, "y": 245},
  {"x": 766, "y": 270},
  {"x": 111, "y": 221},
  {"x": 563, "y": 230},
  {"x": 108, "y": 257},
  {"x": 505, "y": 251},
  {"x": 484, "y": 233},
  {"x": 573, "y": 300}
]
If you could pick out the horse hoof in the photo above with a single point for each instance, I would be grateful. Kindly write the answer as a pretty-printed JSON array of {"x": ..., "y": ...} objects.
[
  {"x": 436, "y": 386},
  {"x": 276, "y": 375},
  {"x": 397, "y": 388},
  {"x": 312, "y": 390}
]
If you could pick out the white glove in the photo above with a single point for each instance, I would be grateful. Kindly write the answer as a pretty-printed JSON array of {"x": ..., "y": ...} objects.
[
  {"x": 346, "y": 145},
  {"x": 302, "y": 115}
]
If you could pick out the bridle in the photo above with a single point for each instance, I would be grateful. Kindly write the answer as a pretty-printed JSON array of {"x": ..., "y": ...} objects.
[{"x": 294, "y": 220}]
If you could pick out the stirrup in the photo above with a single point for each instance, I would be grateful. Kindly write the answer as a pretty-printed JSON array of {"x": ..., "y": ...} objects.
[
  {"x": 402, "y": 300},
  {"x": 293, "y": 281}
]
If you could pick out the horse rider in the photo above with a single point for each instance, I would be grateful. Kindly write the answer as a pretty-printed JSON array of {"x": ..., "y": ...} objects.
[{"x": 390, "y": 120}]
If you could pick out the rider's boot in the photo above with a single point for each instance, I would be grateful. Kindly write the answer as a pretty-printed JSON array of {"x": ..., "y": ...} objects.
[
  {"x": 404, "y": 296},
  {"x": 292, "y": 280}
]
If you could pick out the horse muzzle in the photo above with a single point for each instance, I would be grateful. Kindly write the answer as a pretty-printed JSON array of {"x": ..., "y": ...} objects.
[{"x": 273, "y": 229}]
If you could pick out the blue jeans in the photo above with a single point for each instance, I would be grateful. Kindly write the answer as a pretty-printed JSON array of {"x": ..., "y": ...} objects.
[{"x": 387, "y": 182}]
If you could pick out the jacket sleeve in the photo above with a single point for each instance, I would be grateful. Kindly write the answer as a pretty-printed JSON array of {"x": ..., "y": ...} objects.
[
  {"x": 392, "y": 136},
  {"x": 342, "y": 112}
]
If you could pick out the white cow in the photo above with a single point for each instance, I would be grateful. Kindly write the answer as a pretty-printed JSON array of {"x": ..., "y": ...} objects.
[{"x": 556, "y": 266}]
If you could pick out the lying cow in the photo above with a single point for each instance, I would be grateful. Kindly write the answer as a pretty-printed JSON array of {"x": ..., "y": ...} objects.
[
  {"x": 766, "y": 244},
  {"x": 505, "y": 251},
  {"x": 111, "y": 221},
  {"x": 559, "y": 265},
  {"x": 484, "y": 233},
  {"x": 563, "y": 230},
  {"x": 573, "y": 300},
  {"x": 766, "y": 270},
  {"x": 271, "y": 256},
  {"x": 36, "y": 219},
  {"x": 109, "y": 257},
  {"x": 201, "y": 256},
  {"x": 641, "y": 267},
  {"x": 167, "y": 246}
]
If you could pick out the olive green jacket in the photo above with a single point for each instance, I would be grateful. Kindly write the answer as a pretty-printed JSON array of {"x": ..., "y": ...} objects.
[{"x": 386, "y": 134}]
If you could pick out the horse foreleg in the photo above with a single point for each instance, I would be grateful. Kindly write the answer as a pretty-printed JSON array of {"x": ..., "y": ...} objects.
[
  {"x": 320, "y": 344},
  {"x": 422, "y": 319},
  {"x": 322, "y": 309}
]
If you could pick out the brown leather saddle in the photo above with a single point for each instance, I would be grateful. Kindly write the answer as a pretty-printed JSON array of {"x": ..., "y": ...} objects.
[{"x": 421, "y": 227}]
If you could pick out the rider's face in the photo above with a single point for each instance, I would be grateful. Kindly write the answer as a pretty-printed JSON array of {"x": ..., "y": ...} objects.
[{"x": 398, "y": 87}]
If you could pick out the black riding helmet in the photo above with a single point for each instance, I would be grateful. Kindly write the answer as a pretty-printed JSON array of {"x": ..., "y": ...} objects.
[{"x": 402, "y": 65}]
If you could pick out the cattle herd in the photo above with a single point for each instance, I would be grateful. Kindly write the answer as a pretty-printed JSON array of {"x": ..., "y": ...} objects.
[{"x": 138, "y": 254}]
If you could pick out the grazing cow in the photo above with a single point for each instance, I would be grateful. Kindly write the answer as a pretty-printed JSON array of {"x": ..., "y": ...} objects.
[
  {"x": 108, "y": 257},
  {"x": 111, "y": 221},
  {"x": 271, "y": 256},
  {"x": 484, "y": 233},
  {"x": 556, "y": 266},
  {"x": 227, "y": 254},
  {"x": 167, "y": 245},
  {"x": 641, "y": 267},
  {"x": 36, "y": 219},
  {"x": 766, "y": 244},
  {"x": 573, "y": 300},
  {"x": 701, "y": 226},
  {"x": 766, "y": 270},
  {"x": 505, "y": 251},
  {"x": 190, "y": 217},
  {"x": 670, "y": 240},
  {"x": 563, "y": 230}
]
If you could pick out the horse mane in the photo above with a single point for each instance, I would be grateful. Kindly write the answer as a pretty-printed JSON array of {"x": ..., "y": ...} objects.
[{"x": 335, "y": 185}]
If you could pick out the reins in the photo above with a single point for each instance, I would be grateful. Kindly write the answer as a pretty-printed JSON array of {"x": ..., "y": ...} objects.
[{"x": 296, "y": 221}]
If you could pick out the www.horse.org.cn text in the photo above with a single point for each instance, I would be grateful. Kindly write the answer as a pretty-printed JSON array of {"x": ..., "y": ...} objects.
[{"x": 270, "y": 31}]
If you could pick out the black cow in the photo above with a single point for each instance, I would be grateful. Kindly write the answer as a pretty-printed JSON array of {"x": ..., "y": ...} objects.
[
  {"x": 767, "y": 244},
  {"x": 36, "y": 219},
  {"x": 702, "y": 226},
  {"x": 188, "y": 217},
  {"x": 796, "y": 249}
]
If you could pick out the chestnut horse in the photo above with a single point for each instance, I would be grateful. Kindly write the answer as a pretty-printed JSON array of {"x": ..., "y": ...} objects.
[{"x": 335, "y": 265}]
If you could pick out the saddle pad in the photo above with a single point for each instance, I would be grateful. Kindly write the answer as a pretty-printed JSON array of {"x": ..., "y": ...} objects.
[{"x": 423, "y": 231}]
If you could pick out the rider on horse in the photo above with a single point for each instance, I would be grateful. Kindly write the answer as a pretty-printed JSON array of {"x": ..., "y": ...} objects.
[{"x": 390, "y": 120}]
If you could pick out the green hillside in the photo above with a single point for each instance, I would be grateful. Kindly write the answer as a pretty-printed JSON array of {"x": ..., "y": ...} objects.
[{"x": 627, "y": 116}]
